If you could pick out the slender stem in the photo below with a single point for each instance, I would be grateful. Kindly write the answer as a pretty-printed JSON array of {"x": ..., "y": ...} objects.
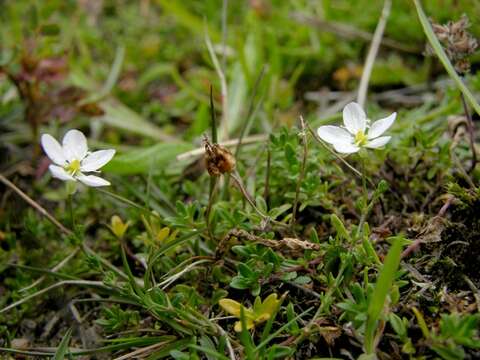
[
  {"x": 213, "y": 179},
  {"x": 302, "y": 171},
  {"x": 266, "y": 191},
  {"x": 211, "y": 200},
  {"x": 213, "y": 117},
  {"x": 247, "y": 196},
  {"x": 70, "y": 211},
  {"x": 365, "y": 198},
  {"x": 250, "y": 200}
]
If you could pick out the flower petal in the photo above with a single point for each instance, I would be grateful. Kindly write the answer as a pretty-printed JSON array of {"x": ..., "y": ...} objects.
[
  {"x": 378, "y": 142},
  {"x": 60, "y": 173},
  {"x": 354, "y": 118},
  {"x": 345, "y": 148},
  {"x": 74, "y": 145},
  {"x": 380, "y": 126},
  {"x": 97, "y": 159},
  {"x": 53, "y": 149},
  {"x": 334, "y": 134},
  {"x": 92, "y": 180}
]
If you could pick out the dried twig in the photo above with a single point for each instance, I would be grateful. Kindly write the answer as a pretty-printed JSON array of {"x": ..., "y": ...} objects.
[
  {"x": 57, "y": 267},
  {"x": 372, "y": 53},
  {"x": 231, "y": 352},
  {"x": 229, "y": 143}
]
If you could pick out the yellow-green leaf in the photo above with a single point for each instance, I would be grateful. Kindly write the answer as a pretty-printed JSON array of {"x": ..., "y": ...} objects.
[
  {"x": 117, "y": 226},
  {"x": 230, "y": 306},
  {"x": 262, "y": 317},
  {"x": 162, "y": 234},
  {"x": 268, "y": 306},
  {"x": 249, "y": 322}
]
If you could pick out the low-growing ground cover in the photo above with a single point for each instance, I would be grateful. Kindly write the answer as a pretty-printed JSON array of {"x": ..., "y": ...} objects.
[{"x": 239, "y": 180}]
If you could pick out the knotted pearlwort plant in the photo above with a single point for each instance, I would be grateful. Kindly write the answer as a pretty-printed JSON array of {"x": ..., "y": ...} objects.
[
  {"x": 357, "y": 131},
  {"x": 72, "y": 160}
]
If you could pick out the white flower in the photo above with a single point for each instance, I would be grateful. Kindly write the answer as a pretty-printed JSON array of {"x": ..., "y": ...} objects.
[
  {"x": 354, "y": 135},
  {"x": 72, "y": 160}
]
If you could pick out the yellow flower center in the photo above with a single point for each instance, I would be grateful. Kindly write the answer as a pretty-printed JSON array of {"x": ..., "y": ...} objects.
[
  {"x": 73, "y": 167},
  {"x": 360, "y": 138}
]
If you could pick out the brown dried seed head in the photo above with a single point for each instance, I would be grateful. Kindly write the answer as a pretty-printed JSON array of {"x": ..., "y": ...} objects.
[
  {"x": 457, "y": 42},
  {"x": 218, "y": 159}
]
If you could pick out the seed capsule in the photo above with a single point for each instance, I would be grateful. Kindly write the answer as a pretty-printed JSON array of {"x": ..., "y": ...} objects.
[{"x": 218, "y": 159}]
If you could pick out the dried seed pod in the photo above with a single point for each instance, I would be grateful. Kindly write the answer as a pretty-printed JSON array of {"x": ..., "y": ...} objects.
[
  {"x": 218, "y": 159},
  {"x": 457, "y": 42}
]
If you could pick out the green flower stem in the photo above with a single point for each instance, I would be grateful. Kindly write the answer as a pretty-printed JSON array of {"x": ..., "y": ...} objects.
[
  {"x": 71, "y": 188},
  {"x": 365, "y": 198},
  {"x": 70, "y": 211}
]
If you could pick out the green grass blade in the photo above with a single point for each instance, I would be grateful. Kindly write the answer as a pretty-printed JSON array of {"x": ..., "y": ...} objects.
[
  {"x": 185, "y": 17},
  {"x": 382, "y": 287},
  {"x": 273, "y": 335},
  {"x": 122, "y": 117},
  {"x": 114, "y": 71},
  {"x": 208, "y": 351},
  {"x": 63, "y": 347},
  {"x": 141, "y": 160},
  {"x": 245, "y": 337},
  {"x": 437, "y": 47}
]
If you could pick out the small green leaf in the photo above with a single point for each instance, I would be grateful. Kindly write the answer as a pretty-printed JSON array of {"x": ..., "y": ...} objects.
[
  {"x": 239, "y": 282},
  {"x": 245, "y": 271},
  {"x": 276, "y": 212},
  {"x": 342, "y": 232},
  {"x": 290, "y": 154},
  {"x": 397, "y": 324},
  {"x": 63, "y": 346},
  {"x": 302, "y": 280}
]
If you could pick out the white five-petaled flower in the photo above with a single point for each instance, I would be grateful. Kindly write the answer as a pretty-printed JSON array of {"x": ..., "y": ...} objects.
[
  {"x": 354, "y": 135},
  {"x": 72, "y": 160}
]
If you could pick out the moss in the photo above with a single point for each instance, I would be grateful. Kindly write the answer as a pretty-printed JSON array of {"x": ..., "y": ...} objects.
[{"x": 459, "y": 250}]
